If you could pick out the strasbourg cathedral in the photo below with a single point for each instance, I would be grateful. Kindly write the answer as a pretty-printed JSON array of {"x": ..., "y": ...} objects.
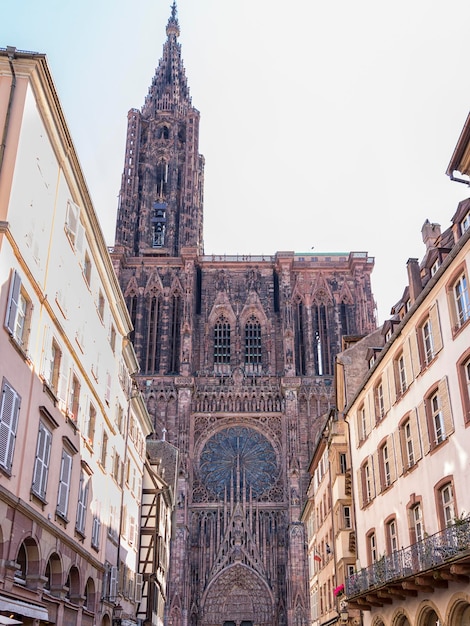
[{"x": 237, "y": 357}]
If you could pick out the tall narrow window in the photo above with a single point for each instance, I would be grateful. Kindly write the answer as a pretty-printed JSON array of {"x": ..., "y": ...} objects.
[
  {"x": 74, "y": 398},
  {"x": 347, "y": 523},
  {"x": 462, "y": 300},
  {"x": 9, "y": 411},
  {"x": 428, "y": 342},
  {"x": 82, "y": 502},
  {"x": 362, "y": 423},
  {"x": 417, "y": 524},
  {"x": 372, "y": 541},
  {"x": 253, "y": 345},
  {"x": 87, "y": 269},
  {"x": 447, "y": 504},
  {"x": 91, "y": 424},
  {"x": 132, "y": 308},
  {"x": 175, "y": 314},
  {"x": 222, "y": 345},
  {"x": 321, "y": 341},
  {"x": 104, "y": 449},
  {"x": 437, "y": 418},
  {"x": 52, "y": 366},
  {"x": 401, "y": 371},
  {"x": 409, "y": 446},
  {"x": 379, "y": 401},
  {"x": 100, "y": 306},
  {"x": 41, "y": 463},
  {"x": 464, "y": 381},
  {"x": 152, "y": 363},
  {"x": 392, "y": 536},
  {"x": 300, "y": 339},
  {"x": 162, "y": 178},
  {"x": 18, "y": 314},
  {"x": 385, "y": 466},
  {"x": 64, "y": 484}
]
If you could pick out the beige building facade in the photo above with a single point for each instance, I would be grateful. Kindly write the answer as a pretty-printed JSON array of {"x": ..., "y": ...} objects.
[
  {"x": 409, "y": 425},
  {"x": 72, "y": 422}
]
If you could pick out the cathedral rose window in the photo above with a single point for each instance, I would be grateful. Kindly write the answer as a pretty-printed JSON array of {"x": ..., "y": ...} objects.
[{"x": 241, "y": 458}]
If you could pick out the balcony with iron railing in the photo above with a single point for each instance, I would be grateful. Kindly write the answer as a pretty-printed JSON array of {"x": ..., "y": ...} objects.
[{"x": 431, "y": 563}]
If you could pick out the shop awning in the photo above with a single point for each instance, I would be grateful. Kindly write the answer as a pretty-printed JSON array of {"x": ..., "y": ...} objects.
[{"x": 23, "y": 608}]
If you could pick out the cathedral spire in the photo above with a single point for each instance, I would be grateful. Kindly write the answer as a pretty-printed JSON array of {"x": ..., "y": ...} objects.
[
  {"x": 173, "y": 27},
  {"x": 169, "y": 90}
]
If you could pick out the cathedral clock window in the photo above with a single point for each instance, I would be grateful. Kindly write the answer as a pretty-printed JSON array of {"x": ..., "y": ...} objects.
[
  {"x": 222, "y": 345},
  {"x": 158, "y": 225},
  {"x": 253, "y": 345}
]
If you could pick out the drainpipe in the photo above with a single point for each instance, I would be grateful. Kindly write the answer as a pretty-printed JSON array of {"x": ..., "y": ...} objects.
[{"x": 11, "y": 51}]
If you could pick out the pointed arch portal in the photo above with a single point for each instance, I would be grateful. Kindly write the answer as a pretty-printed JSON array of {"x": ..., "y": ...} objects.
[{"x": 237, "y": 597}]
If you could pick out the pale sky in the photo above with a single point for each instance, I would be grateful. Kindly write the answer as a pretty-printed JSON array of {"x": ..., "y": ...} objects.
[{"x": 324, "y": 124}]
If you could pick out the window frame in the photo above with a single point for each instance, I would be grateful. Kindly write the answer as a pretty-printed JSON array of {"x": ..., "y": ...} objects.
[
  {"x": 463, "y": 375},
  {"x": 391, "y": 535},
  {"x": 459, "y": 298},
  {"x": 253, "y": 356},
  {"x": 9, "y": 415},
  {"x": 372, "y": 551},
  {"x": 222, "y": 344},
  {"x": 416, "y": 519},
  {"x": 446, "y": 510},
  {"x": 19, "y": 332},
  {"x": 42, "y": 461},
  {"x": 65, "y": 477},
  {"x": 379, "y": 401},
  {"x": 82, "y": 503}
]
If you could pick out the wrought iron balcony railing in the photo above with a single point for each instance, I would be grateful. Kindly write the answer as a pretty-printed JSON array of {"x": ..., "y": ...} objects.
[{"x": 431, "y": 553}]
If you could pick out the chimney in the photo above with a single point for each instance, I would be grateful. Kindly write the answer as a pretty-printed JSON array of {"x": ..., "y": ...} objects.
[
  {"x": 414, "y": 278},
  {"x": 430, "y": 233}
]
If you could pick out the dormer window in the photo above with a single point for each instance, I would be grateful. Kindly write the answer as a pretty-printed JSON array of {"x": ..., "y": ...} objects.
[
  {"x": 435, "y": 267},
  {"x": 465, "y": 224}
]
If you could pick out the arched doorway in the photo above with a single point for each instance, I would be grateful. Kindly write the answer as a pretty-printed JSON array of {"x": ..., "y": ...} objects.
[
  {"x": 460, "y": 614},
  {"x": 237, "y": 597},
  {"x": 430, "y": 618}
]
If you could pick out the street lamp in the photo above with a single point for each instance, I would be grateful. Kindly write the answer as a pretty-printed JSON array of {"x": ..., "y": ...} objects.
[
  {"x": 344, "y": 615},
  {"x": 117, "y": 615}
]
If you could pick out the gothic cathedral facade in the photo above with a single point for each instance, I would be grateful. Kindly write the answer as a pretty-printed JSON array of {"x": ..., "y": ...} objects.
[{"x": 236, "y": 357}]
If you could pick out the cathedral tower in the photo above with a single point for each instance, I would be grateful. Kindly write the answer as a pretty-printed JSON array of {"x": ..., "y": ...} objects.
[
  {"x": 160, "y": 202},
  {"x": 236, "y": 357}
]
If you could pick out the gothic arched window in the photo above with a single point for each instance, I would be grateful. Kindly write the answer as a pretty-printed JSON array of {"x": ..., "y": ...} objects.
[
  {"x": 321, "y": 349},
  {"x": 300, "y": 329},
  {"x": 175, "y": 334},
  {"x": 162, "y": 178},
  {"x": 163, "y": 132},
  {"x": 253, "y": 345},
  {"x": 152, "y": 361},
  {"x": 222, "y": 345},
  {"x": 132, "y": 308}
]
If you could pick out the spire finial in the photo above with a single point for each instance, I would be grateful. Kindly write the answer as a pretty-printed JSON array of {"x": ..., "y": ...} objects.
[{"x": 173, "y": 27}]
